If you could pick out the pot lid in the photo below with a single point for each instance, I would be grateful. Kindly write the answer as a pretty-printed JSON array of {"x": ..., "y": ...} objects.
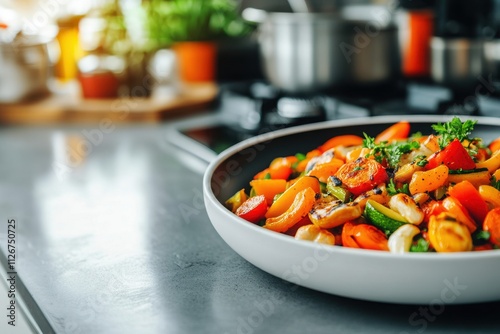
[{"x": 350, "y": 16}]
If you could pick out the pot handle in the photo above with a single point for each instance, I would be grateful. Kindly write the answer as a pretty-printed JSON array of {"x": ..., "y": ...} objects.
[{"x": 254, "y": 15}]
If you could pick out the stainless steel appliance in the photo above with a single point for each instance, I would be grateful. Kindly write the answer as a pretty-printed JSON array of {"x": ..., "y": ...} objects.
[
  {"x": 463, "y": 30},
  {"x": 249, "y": 108},
  {"x": 304, "y": 52}
]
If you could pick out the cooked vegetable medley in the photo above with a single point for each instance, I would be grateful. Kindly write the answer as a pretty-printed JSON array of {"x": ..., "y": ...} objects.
[{"x": 396, "y": 192}]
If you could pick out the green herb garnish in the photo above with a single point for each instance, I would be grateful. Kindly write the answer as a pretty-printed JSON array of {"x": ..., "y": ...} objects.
[
  {"x": 391, "y": 152},
  {"x": 378, "y": 151},
  {"x": 480, "y": 237},
  {"x": 300, "y": 156},
  {"x": 454, "y": 129},
  {"x": 421, "y": 160},
  {"x": 421, "y": 246},
  {"x": 416, "y": 135},
  {"x": 393, "y": 190},
  {"x": 398, "y": 149}
]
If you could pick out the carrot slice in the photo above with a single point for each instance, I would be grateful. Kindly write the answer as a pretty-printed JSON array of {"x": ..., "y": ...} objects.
[
  {"x": 363, "y": 236},
  {"x": 324, "y": 170},
  {"x": 370, "y": 237},
  {"x": 269, "y": 188},
  {"x": 279, "y": 168},
  {"x": 348, "y": 235},
  {"x": 398, "y": 131},
  {"x": 495, "y": 145},
  {"x": 342, "y": 140},
  {"x": 361, "y": 175}
]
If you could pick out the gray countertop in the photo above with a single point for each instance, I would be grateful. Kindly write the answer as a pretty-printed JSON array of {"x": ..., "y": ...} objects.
[{"x": 112, "y": 237}]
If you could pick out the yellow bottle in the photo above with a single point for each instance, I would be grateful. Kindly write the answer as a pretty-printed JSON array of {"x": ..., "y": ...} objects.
[{"x": 70, "y": 49}]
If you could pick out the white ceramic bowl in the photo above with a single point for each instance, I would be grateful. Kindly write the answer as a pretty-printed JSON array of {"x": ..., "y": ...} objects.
[{"x": 413, "y": 278}]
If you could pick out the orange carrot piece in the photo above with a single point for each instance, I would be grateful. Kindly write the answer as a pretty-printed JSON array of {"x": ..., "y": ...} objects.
[
  {"x": 325, "y": 170},
  {"x": 342, "y": 140},
  {"x": 361, "y": 175},
  {"x": 279, "y": 168},
  {"x": 269, "y": 188},
  {"x": 495, "y": 145},
  {"x": 398, "y": 131},
  {"x": 492, "y": 225},
  {"x": 302, "y": 204},
  {"x": 348, "y": 235},
  {"x": 286, "y": 199},
  {"x": 364, "y": 236}
]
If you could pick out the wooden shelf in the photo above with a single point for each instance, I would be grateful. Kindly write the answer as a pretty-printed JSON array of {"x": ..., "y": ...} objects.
[{"x": 70, "y": 108}]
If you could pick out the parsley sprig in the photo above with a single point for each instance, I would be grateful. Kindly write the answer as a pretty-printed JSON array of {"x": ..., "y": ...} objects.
[
  {"x": 390, "y": 152},
  {"x": 421, "y": 246},
  {"x": 480, "y": 237},
  {"x": 378, "y": 150},
  {"x": 454, "y": 129},
  {"x": 393, "y": 190}
]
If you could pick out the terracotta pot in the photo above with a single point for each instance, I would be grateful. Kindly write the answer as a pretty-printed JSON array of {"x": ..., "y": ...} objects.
[
  {"x": 99, "y": 75},
  {"x": 416, "y": 45},
  {"x": 196, "y": 61},
  {"x": 103, "y": 85}
]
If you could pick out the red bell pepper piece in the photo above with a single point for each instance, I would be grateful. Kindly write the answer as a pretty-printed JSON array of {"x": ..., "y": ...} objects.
[
  {"x": 454, "y": 156},
  {"x": 432, "y": 208},
  {"x": 470, "y": 198}
]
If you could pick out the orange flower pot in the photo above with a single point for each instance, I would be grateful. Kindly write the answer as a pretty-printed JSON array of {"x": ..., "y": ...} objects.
[{"x": 196, "y": 61}]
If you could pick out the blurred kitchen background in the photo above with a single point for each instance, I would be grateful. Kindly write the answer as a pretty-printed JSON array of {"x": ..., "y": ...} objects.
[
  {"x": 105, "y": 104},
  {"x": 262, "y": 64}
]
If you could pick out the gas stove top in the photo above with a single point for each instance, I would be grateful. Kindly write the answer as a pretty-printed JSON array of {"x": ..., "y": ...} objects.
[
  {"x": 246, "y": 109},
  {"x": 257, "y": 104}
]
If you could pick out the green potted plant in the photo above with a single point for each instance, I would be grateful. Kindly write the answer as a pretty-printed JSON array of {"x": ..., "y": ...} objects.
[{"x": 192, "y": 29}]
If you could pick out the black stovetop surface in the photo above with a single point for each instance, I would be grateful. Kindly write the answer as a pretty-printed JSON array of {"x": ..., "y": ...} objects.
[{"x": 255, "y": 105}]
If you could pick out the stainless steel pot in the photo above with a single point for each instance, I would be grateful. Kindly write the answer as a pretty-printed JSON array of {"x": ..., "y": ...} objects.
[
  {"x": 492, "y": 59},
  {"x": 309, "y": 52},
  {"x": 457, "y": 62}
]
